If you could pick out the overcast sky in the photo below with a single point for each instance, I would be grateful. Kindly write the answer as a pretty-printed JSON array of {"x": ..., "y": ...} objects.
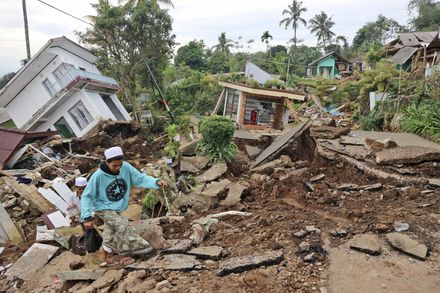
[{"x": 193, "y": 19}]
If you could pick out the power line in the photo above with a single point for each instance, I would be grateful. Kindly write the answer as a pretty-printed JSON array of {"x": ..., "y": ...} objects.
[{"x": 66, "y": 13}]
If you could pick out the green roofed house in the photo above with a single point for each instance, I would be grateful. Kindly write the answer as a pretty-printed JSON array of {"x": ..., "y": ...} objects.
[{"x": 331, "y": 65}]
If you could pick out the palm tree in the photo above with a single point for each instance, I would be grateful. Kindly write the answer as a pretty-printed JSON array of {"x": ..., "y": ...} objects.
[
  {"x": 134, "y": 2},
  {"x": 321, "y": 25},
  {"x": 343, "y": 40},
  {"x": 224, "y": 44},
  {"x": 293, "y": 19},
  {"x": 265, "y": 38}
]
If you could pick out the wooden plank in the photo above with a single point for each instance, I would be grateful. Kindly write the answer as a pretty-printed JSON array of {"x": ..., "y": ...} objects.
[
  {"x": 32, "y": 260},
  {"x": 9, "y": 228},
  {"x": 29, "y": 193},
  {"x": 53, "y": 198}
]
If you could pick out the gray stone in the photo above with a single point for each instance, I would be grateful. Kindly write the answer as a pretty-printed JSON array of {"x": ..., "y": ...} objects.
[
  {"x": 434, "y": 182},
  {"x": 193, "y": 164},
  {"x": 244, "y": 263},
  {"x": 80, "y": 275},
  {"x": 180, "y": 247},
  {"x": 310, "y": 257},
  {"x": 311, "y": 229},
  {"x": 252, "y": 151},
  {"x": 283, "y": 161},
  {"x": 234, "y": 194},
  {"x": 213, "y": 173},
  {"x": 339, "y": 233},
  {"x": 372, "y": 187},
  {"x": 407, "y": 245},
  {"x": 300, "y": 234},
  {"x": 207, "y": 252},
  {"x": 407, "y": 155},
  {"x": 189, "y": 149},
  {"x": 196, "y": 202},
  {"x": 215, "y": 188},
  {"x": 367, "y": 243},
  {"x": 304, "y": 247},
  {"x": 133, "y": 278},
  {"x": 317, "y": 178}
]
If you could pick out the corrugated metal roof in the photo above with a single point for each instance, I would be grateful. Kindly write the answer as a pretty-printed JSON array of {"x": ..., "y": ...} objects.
[
  {"x": 339, "y": 56},
  {"x": 416, "y": 38},
  {"x": 10, "y": 140},
  {"x": 403, "y": 55}
]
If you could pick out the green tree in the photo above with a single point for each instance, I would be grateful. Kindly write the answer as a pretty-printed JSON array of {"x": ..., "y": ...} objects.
[
  {"x": 376, "y": 33},
  {"x": 134, "y": 2},
  {"x": 224, "y": 44},
  {"x": 426, "y": 15},
  {"x": 192, "y": 54},
  {"x": 294, "y": 18},
  {"x": 6, "y": 78},
  {"x": 218, "y": 62},
  {"x": 125, "y": 37},
  {"x": 265, "y": 38},
  {"x": 321, "y": 26}
]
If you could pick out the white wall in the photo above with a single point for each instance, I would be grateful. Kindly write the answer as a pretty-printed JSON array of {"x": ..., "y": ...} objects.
[
  {"x": 67, "y": 57},
  {"x": 104, "y": 110},
  {"x": 62, "y": 111}
]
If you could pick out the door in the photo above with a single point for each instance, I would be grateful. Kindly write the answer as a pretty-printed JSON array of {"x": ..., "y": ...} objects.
[
  {"x": 63, "y": 128},
  {"x": 113, "y": 108}
]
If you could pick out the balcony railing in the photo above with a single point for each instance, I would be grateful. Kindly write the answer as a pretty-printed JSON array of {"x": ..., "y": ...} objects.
[{"x": 75, "y": 76}]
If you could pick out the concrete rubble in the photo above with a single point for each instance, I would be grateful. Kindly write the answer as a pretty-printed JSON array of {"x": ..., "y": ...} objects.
[{"x": 271, "y": 220}]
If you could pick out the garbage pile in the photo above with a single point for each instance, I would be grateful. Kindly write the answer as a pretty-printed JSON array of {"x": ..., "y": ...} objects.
[{"x": 274, "y": 219}]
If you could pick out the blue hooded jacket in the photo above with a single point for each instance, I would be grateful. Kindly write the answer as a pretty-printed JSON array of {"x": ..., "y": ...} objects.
[{"x": 106, "y": 191}]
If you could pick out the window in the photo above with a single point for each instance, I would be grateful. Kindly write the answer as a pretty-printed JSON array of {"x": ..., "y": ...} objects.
[
  {"x": 62, "y": 74},
  {"x": 80, "y": 115},
  {"x": 49, "y": 87}
]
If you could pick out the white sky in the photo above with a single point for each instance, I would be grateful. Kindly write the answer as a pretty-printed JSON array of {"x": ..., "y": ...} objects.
[{"x": 193, "y": 19}]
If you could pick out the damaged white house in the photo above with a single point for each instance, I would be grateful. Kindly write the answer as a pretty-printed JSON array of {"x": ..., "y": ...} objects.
[{"x": 61, "y": 89}]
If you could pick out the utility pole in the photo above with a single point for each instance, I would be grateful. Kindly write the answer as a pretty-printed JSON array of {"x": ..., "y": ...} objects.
[{"x": 26, "y": 31}]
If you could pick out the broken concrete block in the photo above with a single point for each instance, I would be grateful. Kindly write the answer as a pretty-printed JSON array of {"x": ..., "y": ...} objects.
[
  {"x": 252, "y": 151},
  {"x": 32, "y": 260},
  {"x": 407, "y": 245},
  {"x": 407, "y": 155},
  {"x": 213, "y": 173},
  {"x": 176, "y": 262},
  {"x": 193, "y": 164},
  {"x": 163, "y": 284},
  {"x": 10, "y": 230},
  {"x": 196, "y": 202},
  {"x": 180, "y": 247},
  {"x": 300, "y": 234},
  {"x": 311, "y": 229},
  {"x": 367, "y": 243},
  {"x": 304, "y": 247},
  {"x": 269, "y": 167},
  {"x": 248, "y": 262},
  {"x": 133, "y": 278},
  {"x": 189, "y": 149},
  {"x": 339, "y": 233},
  {"x": 234, "y": 194},
  {"x": 328, "y": 132},
  {"x": 435, "y": 182},
  {"x": 215, "y": 188},
  {"x": 153, "y": 234},
  {"x": 309, "y": 257},
  {"x": 108, "y": 279},
  {"x": 207, "y": 252},
  {"x": 81, "y": 275},
  {"x": 142, "y": 287}
]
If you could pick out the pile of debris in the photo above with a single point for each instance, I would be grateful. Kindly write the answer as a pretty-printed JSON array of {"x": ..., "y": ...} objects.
[{"x": 290, "y": 213}]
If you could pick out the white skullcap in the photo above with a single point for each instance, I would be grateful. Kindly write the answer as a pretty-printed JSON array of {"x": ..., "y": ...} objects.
[
  {"x": 113, "y": 152},
  {"x": 81, "y": 182}
]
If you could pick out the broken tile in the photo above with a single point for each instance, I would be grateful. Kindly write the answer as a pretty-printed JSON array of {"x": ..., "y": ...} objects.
[
  {"x": 248, "y": 262},
  {"x": 32, "y": 260}
]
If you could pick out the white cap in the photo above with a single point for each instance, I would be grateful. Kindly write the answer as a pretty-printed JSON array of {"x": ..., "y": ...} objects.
[
  {"x": 113, "y": 152},
  {"x": 80, "y": 182}
]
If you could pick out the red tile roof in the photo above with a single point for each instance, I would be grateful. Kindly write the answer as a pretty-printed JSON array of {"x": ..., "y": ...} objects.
[{"x": 10, "y": 140}]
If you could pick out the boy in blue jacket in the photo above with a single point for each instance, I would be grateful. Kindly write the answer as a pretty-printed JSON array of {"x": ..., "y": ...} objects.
[{"x": 106, "y": 196}]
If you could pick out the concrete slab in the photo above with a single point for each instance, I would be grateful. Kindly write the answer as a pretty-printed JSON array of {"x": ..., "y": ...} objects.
[
  {"x": 402, "y": 139},
  {"x": 282, "y": 141},
  {"x": 32, "y": 260},
  {"x": 248, "y": 262},
  {"x": 245, "y": 134}
]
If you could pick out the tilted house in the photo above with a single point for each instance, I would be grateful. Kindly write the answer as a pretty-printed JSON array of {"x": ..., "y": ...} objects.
[
  {"x": 415, "y": 50},
  {"x": 331, "y": 65},
  {"x": 60, "y": 88}
]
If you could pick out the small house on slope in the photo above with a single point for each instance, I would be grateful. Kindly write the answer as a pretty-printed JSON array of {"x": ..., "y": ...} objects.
[
  {"x": 331, "y": 65},
  {"x": 61, "y": 88},
  {"x": 256, "y": 108}
]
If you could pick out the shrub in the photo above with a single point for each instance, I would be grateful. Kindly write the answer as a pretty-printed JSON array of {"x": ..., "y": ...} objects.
[
  {"x": 216, "y": 142},
  {"x": 172, "y": 147},
  {"x": 373, "y": 121},
  {"x": 423, "y": 119}
]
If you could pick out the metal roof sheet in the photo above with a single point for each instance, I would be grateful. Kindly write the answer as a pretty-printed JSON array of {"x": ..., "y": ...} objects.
[{"x": 403, "y": 55}]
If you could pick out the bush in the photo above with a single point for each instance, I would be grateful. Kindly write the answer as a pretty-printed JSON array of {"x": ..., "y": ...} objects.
[
  {"x": 373, "y": 121},
  {"x": 433, "y": 85},
  {"x": 216, "y": 142},
  {"x": 423, "y": 119},
  {"x": 172, "y": 147}
]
